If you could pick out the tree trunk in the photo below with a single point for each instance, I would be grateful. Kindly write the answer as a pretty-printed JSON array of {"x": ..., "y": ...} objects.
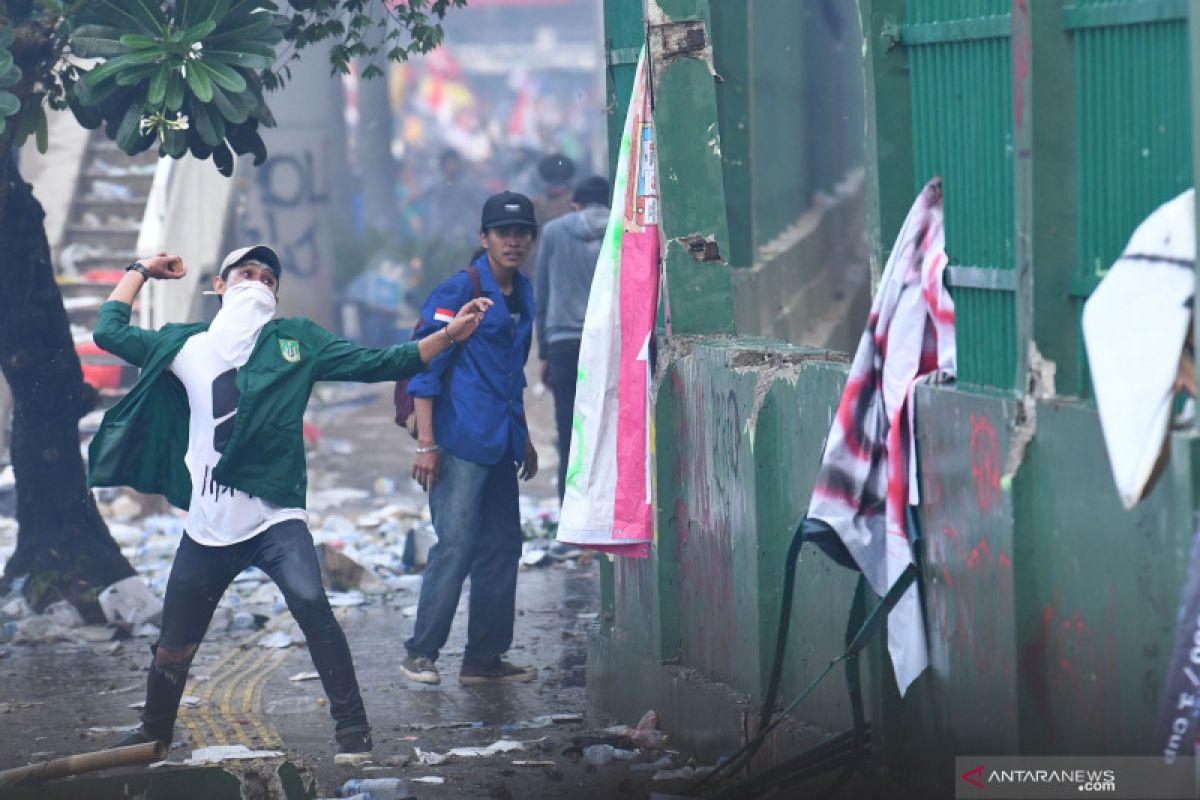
[{"x": 63, "y": 544}]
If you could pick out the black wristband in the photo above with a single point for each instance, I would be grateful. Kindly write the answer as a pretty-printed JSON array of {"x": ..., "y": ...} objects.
[{"x": 140, "y": 267}]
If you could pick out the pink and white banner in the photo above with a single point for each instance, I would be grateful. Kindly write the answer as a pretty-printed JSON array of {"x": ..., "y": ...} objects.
[{"x": 608, "y": 504}]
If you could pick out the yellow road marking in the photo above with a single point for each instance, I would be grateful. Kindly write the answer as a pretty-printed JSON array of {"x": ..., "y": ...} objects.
[
  {"x": 233, "y": 682},
  {"x": 252, "y": 703}
]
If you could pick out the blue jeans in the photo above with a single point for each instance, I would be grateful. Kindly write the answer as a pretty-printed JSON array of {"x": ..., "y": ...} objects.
[
  {"x": 478, "y": 524},
  {"x": 201, "y": 574}
]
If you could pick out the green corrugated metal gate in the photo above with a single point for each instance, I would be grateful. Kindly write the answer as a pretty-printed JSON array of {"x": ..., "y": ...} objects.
[
  {"x": 962, "y": 130},
  {"x": 1133, "y": 127},
  {"x": 1130, "y": 142}
]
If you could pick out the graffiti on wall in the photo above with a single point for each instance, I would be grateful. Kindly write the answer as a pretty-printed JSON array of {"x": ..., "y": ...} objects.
[
  {"x": 286, "y": 204},
  {"x": 708, "y": 442}
]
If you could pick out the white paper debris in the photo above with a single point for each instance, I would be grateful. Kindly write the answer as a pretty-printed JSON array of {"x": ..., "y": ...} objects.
[
  {"x": 276, "y": 641},
  {"x": 235, "y": 752}
]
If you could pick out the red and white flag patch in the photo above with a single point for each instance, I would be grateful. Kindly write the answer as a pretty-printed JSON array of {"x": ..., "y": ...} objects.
[{"x": 443, "y": 315}]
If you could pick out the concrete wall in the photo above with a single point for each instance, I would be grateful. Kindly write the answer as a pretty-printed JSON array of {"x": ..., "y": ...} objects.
[
  {"x": 740, "y": 426},
  {"x": 1049, "y": 609}
]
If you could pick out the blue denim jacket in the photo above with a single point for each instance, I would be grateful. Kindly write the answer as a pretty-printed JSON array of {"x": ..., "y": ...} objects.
[{"x": 479, "y": 414}]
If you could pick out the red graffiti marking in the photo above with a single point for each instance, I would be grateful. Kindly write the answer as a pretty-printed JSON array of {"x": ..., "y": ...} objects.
[
  {"x": 985, "y": 463},
  {"x": 976, "y": 592},
  {"x": 1072, "y": 672},
  {"x": 703, "y": 533}
]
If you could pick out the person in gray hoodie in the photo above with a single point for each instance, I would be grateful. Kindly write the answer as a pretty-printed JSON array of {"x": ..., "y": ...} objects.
[{"x": 566, "y": 259}]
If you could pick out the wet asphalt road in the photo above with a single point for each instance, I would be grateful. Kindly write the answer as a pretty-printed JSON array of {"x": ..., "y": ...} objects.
[{"x": 51, "y": 694}]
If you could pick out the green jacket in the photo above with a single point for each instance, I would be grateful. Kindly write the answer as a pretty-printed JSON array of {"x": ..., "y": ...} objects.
[{"x": 143, "y": 438}]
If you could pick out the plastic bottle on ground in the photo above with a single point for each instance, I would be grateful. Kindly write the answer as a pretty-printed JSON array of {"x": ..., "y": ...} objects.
[{"x": 376, "y": 788}]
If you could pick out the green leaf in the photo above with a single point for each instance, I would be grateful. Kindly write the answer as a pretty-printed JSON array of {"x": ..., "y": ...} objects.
[
  {"x": 27, "y": 120},
  {"x": 87, "y": 116},
  {"x": 235, "y": 108},
  {"x": 142, "y": 15},
  {"x": 210, "y": 127},
  {"x": 6, "y": 37},
  {"x": 93, "y": 96},
  {"x": 175, "y": 87},
  {"x": 245, "y": 139},
  {"x": 10, "y": 76},
  {"x": 129, "y": 131},
  {"x": 157, "y": 91},
  {"x": 42, "y": 130},
  {"x": 6, "y": 59},
  {"x": 239, "y": 12},
  {"x": 198, "y": 32},
  {"x": 193, "y": 12},
  {"x": 96, "y": 41},
  {"x": 245, "y": 60},
  {"x": 223, "y": 160},
  {"x": 9, "y": 104},
  {"x": 226, "y": 77},
  {"x": 196, "y": 145},
  {"x": 138, "y": 74},
  {"x": 174, "y": 144},
  {"x": 198, "y": 82},
  {"x": 248, "y": 28},
  {"x": 114, "y": 66},
  {"x": 137, "y": 41}
]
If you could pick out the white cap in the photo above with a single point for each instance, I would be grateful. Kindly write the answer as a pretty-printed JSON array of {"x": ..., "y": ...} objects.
[{"x": 256, "y": 252}]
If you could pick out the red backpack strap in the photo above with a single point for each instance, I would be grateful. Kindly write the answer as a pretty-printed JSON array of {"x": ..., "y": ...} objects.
[{"x": 476, "y": 286}]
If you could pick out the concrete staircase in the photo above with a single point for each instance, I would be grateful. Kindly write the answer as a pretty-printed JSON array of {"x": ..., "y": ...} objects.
[{"x": 106, "y": 210}]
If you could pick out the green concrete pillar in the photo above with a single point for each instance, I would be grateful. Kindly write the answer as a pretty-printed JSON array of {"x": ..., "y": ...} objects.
[
  {"x": 889, "y": 154},
  {"x": 1044, "y": 186},
  {"x": 624, "y": 34},
  {"x": 690, "y": 180},
  {"x": 732, "y": 60}
]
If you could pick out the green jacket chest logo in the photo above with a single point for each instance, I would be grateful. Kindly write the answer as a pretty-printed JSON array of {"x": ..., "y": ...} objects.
[{"x": 290, "y": 350}]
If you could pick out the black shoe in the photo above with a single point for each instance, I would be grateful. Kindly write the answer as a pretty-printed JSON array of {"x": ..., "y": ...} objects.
[
  {"x": 353, "y": 749},
  {"x": 498, "y": 671},
  {"x": 139, "y": 736}
]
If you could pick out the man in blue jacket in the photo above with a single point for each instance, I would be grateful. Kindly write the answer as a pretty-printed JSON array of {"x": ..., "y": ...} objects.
[
  {"x": 214, "y": 424},
  {"x": 472, "y": 440}
]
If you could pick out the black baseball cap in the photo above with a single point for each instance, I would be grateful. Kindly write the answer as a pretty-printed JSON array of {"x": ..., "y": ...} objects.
[{"x": 507, "y": 208}]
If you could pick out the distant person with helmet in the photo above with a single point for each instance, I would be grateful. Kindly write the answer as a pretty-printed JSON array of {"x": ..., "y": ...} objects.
[{"x": 556, "y": 172}]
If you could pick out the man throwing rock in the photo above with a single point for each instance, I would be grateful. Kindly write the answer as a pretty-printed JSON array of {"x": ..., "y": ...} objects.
[{"x": 214, "y": 424}]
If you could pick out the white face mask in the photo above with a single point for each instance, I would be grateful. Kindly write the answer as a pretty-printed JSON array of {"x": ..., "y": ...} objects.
[{"x": 245, "y": 308}]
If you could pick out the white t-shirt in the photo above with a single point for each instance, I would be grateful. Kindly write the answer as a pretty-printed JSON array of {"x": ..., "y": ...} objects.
[{"x": 218, "y": 515}]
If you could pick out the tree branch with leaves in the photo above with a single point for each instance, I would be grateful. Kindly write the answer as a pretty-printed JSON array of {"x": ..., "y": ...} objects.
[{"x": 185, "y": 76}]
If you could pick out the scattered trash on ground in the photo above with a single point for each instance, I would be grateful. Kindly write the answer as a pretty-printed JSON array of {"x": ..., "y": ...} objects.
[
  {"x": 187, "y": 701},
  {"x": 600, "y": 754},
  {"x": 129, "y": 602},
  {"x": 434, "y": 759},
  {"x": 234, "y": 752},
  {"x": 373, "y": 788}
]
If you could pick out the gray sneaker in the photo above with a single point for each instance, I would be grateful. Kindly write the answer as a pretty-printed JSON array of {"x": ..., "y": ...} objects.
[
  {"x": 498, "y": 672},
  {"x": 420, "y": 669}
]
